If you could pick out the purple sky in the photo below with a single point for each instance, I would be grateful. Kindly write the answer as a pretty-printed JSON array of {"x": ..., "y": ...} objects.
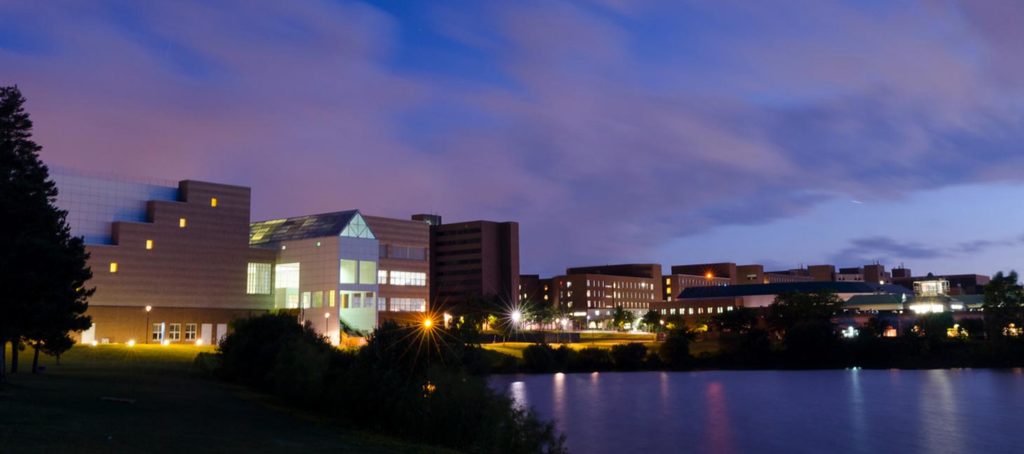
[{"x": 667, "y": 131}]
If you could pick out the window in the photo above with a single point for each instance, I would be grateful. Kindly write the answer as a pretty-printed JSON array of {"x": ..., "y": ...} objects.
[
  {"x": 182, "y": 223},
  {"x": 306, "y": 300},
  {"x": 258, "y": 279},
  {"x": 330, "y": 298},
  {"x": 382, "y": 276},
  {"x": 213, "y": 202},
  {"x": 158, "y": 332},
  {"x": 174, "y": 332},
  {"x": 408, "y": 305},
  {"x": 318, "y": 299},
  {"x": 367, "y": 272},
  {"x": 149, "y": 245},
  {"x": 357, "y": 228},
  {"x": 348, "y": 271},
  {"x": 190, "y": 331},
  {"x": 113, "y": 267},
  {"x": 408, "y": 278}
]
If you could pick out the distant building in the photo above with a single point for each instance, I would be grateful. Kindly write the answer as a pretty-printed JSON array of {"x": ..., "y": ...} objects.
[
  {"x": 591, "y": 294},
  {"x": 676, "y": 283},
  {"x": 959, "y": 284},
  {"x": 473, "y": 259}
]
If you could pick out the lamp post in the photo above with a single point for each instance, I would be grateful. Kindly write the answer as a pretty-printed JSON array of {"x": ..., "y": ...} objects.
[
  {"x": 327, "y": 316},
  {"x": 145, "y": 331}
]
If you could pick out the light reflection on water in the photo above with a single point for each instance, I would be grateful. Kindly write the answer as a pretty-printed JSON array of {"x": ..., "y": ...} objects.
[{"x": 842, "y": 411}]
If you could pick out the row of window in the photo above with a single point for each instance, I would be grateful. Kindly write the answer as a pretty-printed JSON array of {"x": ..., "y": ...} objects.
[
  {"x": 172, "y": 332},
  {"x": 699, "y": 310},
  {"x": 402, "y": 252},
  {"x": 404, "y": 278},
  {"x": 403, "y": 305}
]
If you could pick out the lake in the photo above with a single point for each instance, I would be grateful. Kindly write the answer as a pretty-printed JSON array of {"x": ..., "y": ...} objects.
[{"x": 835, "y": 411}]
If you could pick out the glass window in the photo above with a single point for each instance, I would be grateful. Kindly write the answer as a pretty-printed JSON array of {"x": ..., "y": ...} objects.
[
  {"x": 348, "y": 271},
  {"x": 408, "y": 305},
  {"x": 382, "y": 276},
  {"x": 182, "y": 223},
  {"x": 258, "y": 279},
  {"x": 213, "y": 202},
  {"x": 318, "y": 299},
  {"x": 158, "y": 332},
  {"x": 408, "y": 278},
  {"x": 149, "y": 245},
  {"x": 357, "y": 228},
  {"x": 367, "y": 272},
  {"x": 174, "y": 332},
  {"x": 306, "y": 297},
  {"x": 330, "y": 298},
  {"x": 190, "y": 331},
  {"x": 113, "y": 267}
]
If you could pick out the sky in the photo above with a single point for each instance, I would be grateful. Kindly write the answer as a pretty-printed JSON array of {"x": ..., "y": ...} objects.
[{"x": 613, "y": 131}]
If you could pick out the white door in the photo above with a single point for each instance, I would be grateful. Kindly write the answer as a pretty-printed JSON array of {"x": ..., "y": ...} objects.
[
  {"x": 89, "y": 335},
  {"x": 207, "y": 334},
  {"x": 222, "y": 332}
]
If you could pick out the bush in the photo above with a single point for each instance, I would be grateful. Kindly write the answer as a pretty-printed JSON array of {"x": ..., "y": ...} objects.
[
  {"x": 415, "y": 385},
  {"x": 591, "y": 359},
  {"x": 539, "y": 358},
  {"x": 675, "y": 351},
  {"x": 629, "y": 356}
]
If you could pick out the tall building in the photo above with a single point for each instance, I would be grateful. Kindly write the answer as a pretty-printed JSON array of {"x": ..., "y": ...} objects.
[{"x": 473, "y": 259}]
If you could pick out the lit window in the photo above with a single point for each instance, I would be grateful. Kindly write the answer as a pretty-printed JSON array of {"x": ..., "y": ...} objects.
[
  {"x": 113, "y": 267},
  {"x": 408, "y": 278},
  {"x": 367, "y": 272},
  {"x": 213, "y": 202},
  {"x": 190, "y": 331},
  {"x": 382, "y": 276},
  {"x": 158, "y": 332},
  {"x": 182, "y": 223},
  {"x": 330, "y": 298},
  {"x": 174, "y": 332},
  {"x": 149, "y": 245},
  {"x": 318, "y": 300},
  {"x": 348, "y": 271},
  {"x": 258, "y": 279},
  {"x": 306, "y": 298}
]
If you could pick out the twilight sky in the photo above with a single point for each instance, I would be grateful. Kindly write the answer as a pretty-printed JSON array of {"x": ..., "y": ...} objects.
[{"x": 672, "y": 131}]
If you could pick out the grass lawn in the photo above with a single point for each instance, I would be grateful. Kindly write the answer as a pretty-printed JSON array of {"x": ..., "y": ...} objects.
[{"x": 63, "y": 410}]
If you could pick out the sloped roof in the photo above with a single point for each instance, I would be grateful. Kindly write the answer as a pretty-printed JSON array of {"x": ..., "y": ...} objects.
[
  {"x": 732, "y": 291},
  {"x": 301, "y": 227}
]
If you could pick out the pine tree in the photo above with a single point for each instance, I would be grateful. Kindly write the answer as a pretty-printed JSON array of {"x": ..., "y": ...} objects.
[{"x": 42, "y": 267}]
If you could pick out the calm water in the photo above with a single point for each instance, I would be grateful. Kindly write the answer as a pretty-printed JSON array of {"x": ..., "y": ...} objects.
[{"x": 844, "y": 411}]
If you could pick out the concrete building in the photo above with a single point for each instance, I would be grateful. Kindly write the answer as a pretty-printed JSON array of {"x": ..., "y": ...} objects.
[
  {"x": 171, "y": 262},
  {"x": 673, "y": 284},
  {"x": 959, "y": 284},
  {"x": 473, "y": 259}
]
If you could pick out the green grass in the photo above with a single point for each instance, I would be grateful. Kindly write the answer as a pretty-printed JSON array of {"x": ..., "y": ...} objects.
[{"x": 62, "y": 410}]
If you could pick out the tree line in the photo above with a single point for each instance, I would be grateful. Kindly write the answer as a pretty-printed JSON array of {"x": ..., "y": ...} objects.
[{"x": 43, "y": 272}]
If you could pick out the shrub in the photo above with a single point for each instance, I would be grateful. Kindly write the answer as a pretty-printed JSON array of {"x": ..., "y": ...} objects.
[
  {"x": 629, "y": 356},
  {"x": 675, "y": 351},
  {"x": 592, "y": 359}
]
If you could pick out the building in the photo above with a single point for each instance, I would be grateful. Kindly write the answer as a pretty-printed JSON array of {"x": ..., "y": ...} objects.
[
  {"x": 326, "y": 267},
  {"x": 959, "y": 284},
  {"x": 474, "y": 259},
  {"x": 737, "y": 274},
  {"x": 403, "y": 274},
  {"x": 703, "y": 301},
  {"x": 590, "y": 294},
  {"x": 676, "y": 283},
  {"x": 171, "y": 262},
  {"x": 177, "y": 262},
  {"x": 534, "y": 291}
]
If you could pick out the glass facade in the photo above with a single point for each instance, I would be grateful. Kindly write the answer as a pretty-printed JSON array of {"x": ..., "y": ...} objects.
[{"x": 258, "y": 279}]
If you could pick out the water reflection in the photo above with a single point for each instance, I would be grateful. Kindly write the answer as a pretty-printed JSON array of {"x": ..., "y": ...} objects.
[
  {"x": 718, "y": 419},
  {"x": 852, "y": 411}
]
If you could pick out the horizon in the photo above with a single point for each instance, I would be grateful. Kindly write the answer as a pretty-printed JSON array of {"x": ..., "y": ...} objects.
[{"x": 659, "y": 132}]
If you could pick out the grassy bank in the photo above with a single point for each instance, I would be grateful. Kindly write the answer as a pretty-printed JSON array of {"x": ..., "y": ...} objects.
[{"x": 68, "y": 408}]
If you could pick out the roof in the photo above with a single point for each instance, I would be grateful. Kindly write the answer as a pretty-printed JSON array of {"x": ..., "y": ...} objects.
[
  {"x": 311, "y": 226},
  {"x": 874, "y": 300},
  {"x": 789, "y": 287}
]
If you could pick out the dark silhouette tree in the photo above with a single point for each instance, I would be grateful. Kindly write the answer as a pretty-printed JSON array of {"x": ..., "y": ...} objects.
[
  {"x": 620, "y": 317},
  {"x": 42, "y": 268},
  {"x": 1003, "y": 304},
  {"x": 804, "y": 320},
  {"x": 652, "y": 319}
]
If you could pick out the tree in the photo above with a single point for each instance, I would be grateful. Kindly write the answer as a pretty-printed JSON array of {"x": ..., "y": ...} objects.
[
  {"x": 738, "y": 320},
  {"x": 675, "y": 351},
  {"x": 620, "y": 317},
  {"x": 805, "y": 322},
  {"x": 42, "y": 268},
  {"x": 1003, "y": 303},
  {"x": 652, "y": 319}
]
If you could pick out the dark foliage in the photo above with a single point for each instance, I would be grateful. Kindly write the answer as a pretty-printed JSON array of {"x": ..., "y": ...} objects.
[
  {"x": 408, "y": 382},
  {"x": 629, "y": 356}
]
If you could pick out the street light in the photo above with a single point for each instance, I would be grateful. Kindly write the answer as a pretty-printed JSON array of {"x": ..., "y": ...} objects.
[
  {"x": 516, "y": 316},
  {"x": 145, "y": 330},
  {"x": 428, "y": 323},
  {"x": 327, "y": 330}
]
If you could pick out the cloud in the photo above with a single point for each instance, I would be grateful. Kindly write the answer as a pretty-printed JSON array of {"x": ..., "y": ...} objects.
[
  {"x": 885, "y": 249},
  {"x": 606, "y": 128}
]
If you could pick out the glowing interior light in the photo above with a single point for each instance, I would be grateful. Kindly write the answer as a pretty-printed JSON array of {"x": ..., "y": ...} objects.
[
  {"x": 199, "y": 342},
  {"x": 131, "y": 342},
  {"x": 165, "y": 343}
]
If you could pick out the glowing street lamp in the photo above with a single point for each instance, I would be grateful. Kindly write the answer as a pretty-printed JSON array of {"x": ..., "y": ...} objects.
[
  {"x": 516, "y": 316},
  {"x": 327, "y": 316},
  {"x": 428, "y": 323},
  {"x": 145, "y": 329},
  {"x": 709, "y": 275}
]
